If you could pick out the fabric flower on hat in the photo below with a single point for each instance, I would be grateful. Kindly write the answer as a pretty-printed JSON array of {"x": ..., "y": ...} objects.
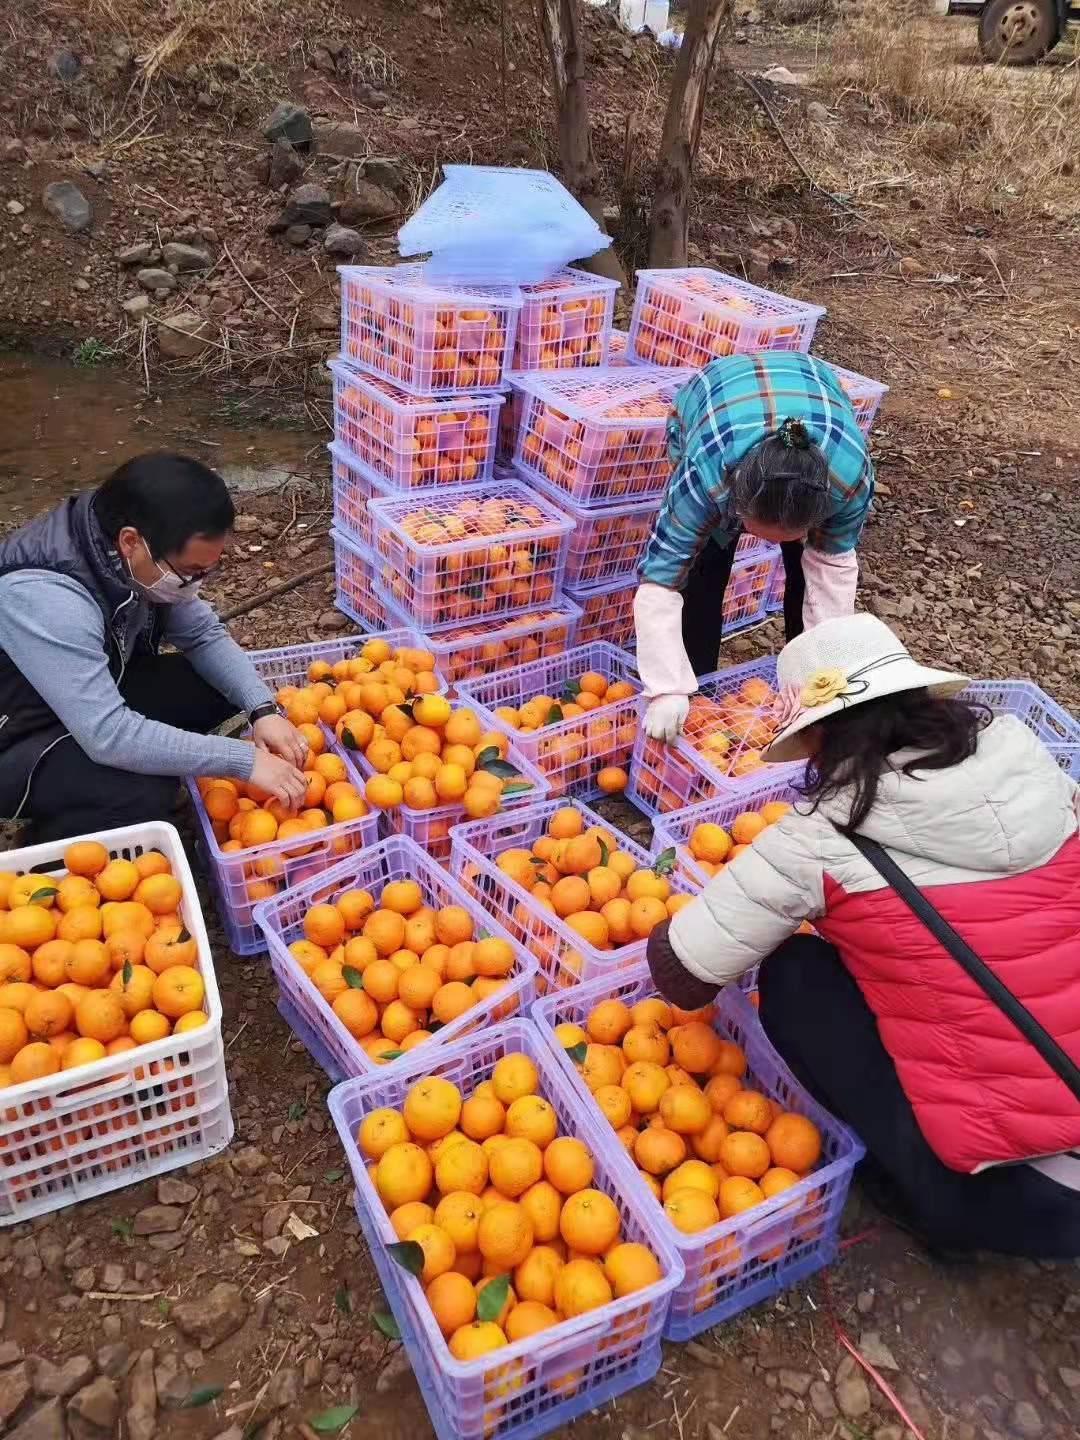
[{"x": 822, "y": 687}]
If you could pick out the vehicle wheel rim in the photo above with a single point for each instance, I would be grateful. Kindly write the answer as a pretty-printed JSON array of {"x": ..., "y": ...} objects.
[{"x": 1019, "y": 24}]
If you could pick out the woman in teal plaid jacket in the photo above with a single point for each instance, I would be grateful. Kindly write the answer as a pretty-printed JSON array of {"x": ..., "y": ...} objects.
[{"x": 766, "y": 443}]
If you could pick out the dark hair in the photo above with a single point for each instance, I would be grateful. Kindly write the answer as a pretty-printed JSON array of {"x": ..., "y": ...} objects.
[
  {"x": 783, "y": 480},
  {"x": 168, "y": 498},
  {"x": 854, "y": 745}
]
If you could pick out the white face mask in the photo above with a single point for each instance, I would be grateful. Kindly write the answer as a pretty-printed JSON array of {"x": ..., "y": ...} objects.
[{"x": 169, "y": 588}]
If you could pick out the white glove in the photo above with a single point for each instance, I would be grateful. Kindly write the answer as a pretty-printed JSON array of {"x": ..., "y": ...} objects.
[{"x": 665, "y": 717}]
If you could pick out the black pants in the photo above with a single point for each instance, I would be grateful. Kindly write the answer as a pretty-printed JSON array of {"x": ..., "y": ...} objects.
[
  {"x": 815, "y": 1015},
  {"x": 72, "y": 795},
  {"x": 703, "y": 600}
]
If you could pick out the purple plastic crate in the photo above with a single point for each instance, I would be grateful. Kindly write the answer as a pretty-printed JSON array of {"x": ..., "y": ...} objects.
[
  {"x": 746, "y": 599},
  {"x": 241, "y": 879},
  {"x": 509, "y": 420},
  {"x": 564, "y": 322},
  {"x": 690, "y": 317},
  {"x": 281, "y": 921},
  {"x": 774, "y": 604},
  {"x": 426, "y": 338},
  {"x": 565, "y": 957},
  {"x": 670, "y": 777},
  {"x": 470, "y": 552},
  {"x": 598, "y": 437},
  {"x": 1056, "y": 728},
  {"x": 674, "y": 830},
  {"x": 412, "y": 442},
  {"x": 539, "y": 1384},
  {"x": 607, "y": 613},
  {"x": 353, "y": 488},
  {"x": 568, "y": 752},
  {"x": 480, "y": 647},
  {"x": 289, "y": 664},
  {"x": 354, "y": 574},
  {"x": 606, "y": 545},
  {"x": 757, "y": 1254},
  {"x": 618, "y": 352},
  {"x": 865, "y": 394}
]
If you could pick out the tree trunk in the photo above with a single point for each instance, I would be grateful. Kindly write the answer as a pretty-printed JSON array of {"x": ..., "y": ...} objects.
[
  {"x": 669, "y": 224},
  {"x": 560, "y": 25}
]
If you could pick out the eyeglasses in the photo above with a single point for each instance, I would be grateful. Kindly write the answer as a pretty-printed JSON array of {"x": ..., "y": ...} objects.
[{"x": 195, "y": 577}]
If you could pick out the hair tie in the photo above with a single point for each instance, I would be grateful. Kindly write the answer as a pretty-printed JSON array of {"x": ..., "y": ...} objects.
[{"x": 793, "y": 434}]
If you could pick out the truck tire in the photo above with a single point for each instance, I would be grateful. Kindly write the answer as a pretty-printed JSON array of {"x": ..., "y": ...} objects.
[{"x": 1018, "y": 31}]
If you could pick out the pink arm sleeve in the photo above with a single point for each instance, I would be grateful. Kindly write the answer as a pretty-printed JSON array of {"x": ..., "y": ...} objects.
[{"x": 831, "y": 581}]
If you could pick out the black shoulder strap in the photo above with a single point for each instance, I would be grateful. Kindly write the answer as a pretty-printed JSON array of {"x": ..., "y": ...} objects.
[{"x": 963, "y": 954}]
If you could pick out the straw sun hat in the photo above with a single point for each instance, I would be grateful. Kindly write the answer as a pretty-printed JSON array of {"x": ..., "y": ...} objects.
[{"x": 841, "y": 663}]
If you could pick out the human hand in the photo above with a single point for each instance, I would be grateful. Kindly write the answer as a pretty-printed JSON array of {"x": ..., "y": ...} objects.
[
  {"x": 665, "y": 717},
  {"x": 276, "y": 734},
  {"x": 279, "y": 778}
]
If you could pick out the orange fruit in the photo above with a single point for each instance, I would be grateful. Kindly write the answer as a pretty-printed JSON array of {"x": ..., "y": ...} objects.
[
  {"x": 794, "y": 1142},
  {"x": 356, "y": 1011},
  {"x": 608, "y": 1022},
  {"x": 745, "y": 828},
  {"x": 126, "y": 915},
  {"x": 178, "y": 990},
  {"x": 568, "y": 1165},
  {"x": 88, "y": 963},
  {"x": 86, "y": 857},
  {"x": 404, "y": 897},
  {"x": 731, "y": 1060},
  {"x": 493, "y": 957},
  {"x": 738, "y": 1193},
  {"x": 451, "y": 1001},
  {"x": 710, "y": 843},
  {"x": 565, "y": 824},
  {"x": 473, "y": 1341},
  {"x": 581, "y": 1286},
  {"x": 147, "y": 1026},
  {"x": 532, "y": 1118},
  {"x": 505, "y": 1236},
  {"x": 603, "y": 1065},
  {"x": 404, "y": 1173},
  {"x": 695, "y": 1046},
  {"x": 13, "y": 1035},
  {"x": 453, "y": 1302},
  {"x": 776, "y": 1180},
  {"x": 534, "y": 1278},
  {"x": 646, "y": 1043},
  {"x": 691, "y": 1175},
  {"x": 119, "y": 880},
  {"x": 407, "y": 1218},
  {"x": 515, "y": 1166},
  {"x": 76, "y": 890},
  {"x": 50, "y": 963},
  {"x": 125, "y": 947},
  {"x": 355, "y": 906},
  {"x": 100, "y": 1016},
  {"x": 135, "y": 987},
  {"x": 16, "y": 995},
  {"x": 152, "y": 862},
  {"x": 543, "y": 1205},
  {"x": 461, "y": 1168},
  {"x": 84, "y": 922},
  {"x": 652, "y": 1011},
  {"x": 193, "y": 1020},
  {"x": 15, "y": 964},
  {"x": 161, "y": 894},
  {"x": 706, "y": 1144},
  {"x": 692, "y": 1211},
  {"x": 325, "y": 925},
  {"x": 432, "y": 1108},
  {"x": 749, "y": 1110},
  {"x": 612, "y": 780},
  {"x": 438, "y": 1248},
  {"x": 459, "y": 1212},
  {"x": 34, "y": 1062},
  {"x": 615, "y": 1105},
  {"x": 685, "y": 1109},
  {"x": 630, "y": 1267},
  {"x": 379, "y": 1130},
  {"x": 645, "y": 914},
  {"x": 590, "y": 1222},
  {"x": 646, "y": 1083},
  {"x": 720, "y": 1089},
  {"x": 658, "y": 1150},
  {"x": 29, "y": 926},
  {"x": 745, "y": 1153},
  {"x": 482, "y": 1115},
  {"x": 513, "y": 1077},
  {"x": 169, "y": 947}
]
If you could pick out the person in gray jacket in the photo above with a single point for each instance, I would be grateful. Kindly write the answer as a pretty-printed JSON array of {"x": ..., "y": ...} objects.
[{"x": 96, "y": 723}]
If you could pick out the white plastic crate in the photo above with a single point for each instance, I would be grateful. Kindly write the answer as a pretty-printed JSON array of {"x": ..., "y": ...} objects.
[
  {"x": 746, "y": 600},
  {"x": 618, "y": 349},
  {"x": 564, "y": 322},
  {"x": 85, "y": 1131},
  {"x": 354, "y": 573},
  {"x": 865, "y": 395},
  {"x": 599, "y": 437},
  {"x": 353, "y": 488},
  {"x": 689, "y": 317},
  {"x": 410, "y": 443},
  {"x": 607, "y": 613},
  {"x": 475, "y": 551},
  {"x": 426, "y": 337},
  {"x": 480, "y": 647},
  {"x": 607, "y": 545},
  {"x": 569, "y": 751},
  {"x": 509, "y": 421}
]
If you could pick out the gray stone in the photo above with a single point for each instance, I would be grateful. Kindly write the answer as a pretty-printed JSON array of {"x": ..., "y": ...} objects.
[
  {"x": 171, "y": 1191},
  {"x": 14, "y": 1388},
  {"x": 156, "y": 1219},
  {"x": 952, "y": 1358},
  {"x": 167, "y": 1240},
  {"x": 388, "y": 171},
  {"x": 285, "y": 166},
  {"x": 821, "y": 1399},
  {"x": 15, "y": 207},
  {"x": 142, "y": 1386},
  {"x": 81, "y": 284},
  {"x": 340, "y": 240},
  {"x": 249, "y": 1161},
  {"x": 52, "y": 1380},
  {"x": 184, "y": 336},
  {"x": 140, "y": 1424},
  {"x": 298, "y": 234},
  {"x": 289, "y": 122},
  {"x": 853, "y": 1396},
  {"x": 312, "y": 1371},
  {"x": 308, "y": 204},
  {"x": 889, "y": 1432},
  {"x": 367, "y": 201},
  {"x": 112, "y": 1277},
  {"x": 46, "y": 1423},
  {"x": 1069, "y": 1377},
  {"x": 340, "y": 137},
  {"x": 876, "y": 1351},
  {"x": 817, "y": 113},
  {"x": 98, "y": 1404},
  {"x": 174, "y": 1390},
  {"x": 213, "y": 1317},
  {"x": 66, "y": 202},
  {"x": 113, "y": 1360},
  {"x": 136, "y": 305},
  {"x": 155, "y": 278},
  {"x": 912, "y": 1399},
  {"x": 796, "y": 1382},
  {"x": 10, "y": 1351},
  {"x": 864, "y": 1302},
  {"x": 186, "y": 257},
  {"x": 274, "y": 1219},
  {"x": 112, "y": 1327},
  {"x": 1025, "y": 1419},
  {"x": 332, "y": 620},
  {"x": 65, "y": 65},
  {"x": 284, "y": 1389},
  {"x": 14, "y": 150},
  {"x": 136, "y": 254}
]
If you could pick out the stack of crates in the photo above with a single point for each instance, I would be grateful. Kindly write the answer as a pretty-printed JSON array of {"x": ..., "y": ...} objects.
[{"x": 425, "y": 533}]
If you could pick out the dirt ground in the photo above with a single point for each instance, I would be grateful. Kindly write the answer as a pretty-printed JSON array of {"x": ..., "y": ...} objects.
[{"x": 946, "y": 274}]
